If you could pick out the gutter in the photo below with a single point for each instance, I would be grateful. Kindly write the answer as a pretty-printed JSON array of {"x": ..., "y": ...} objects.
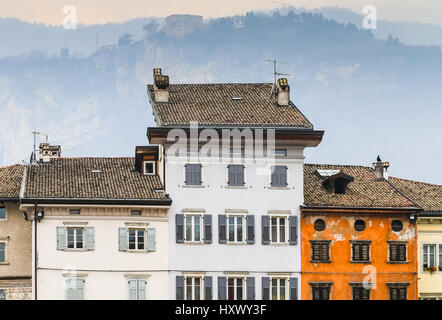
[
  {"x": 160, "y": 202},
  {"x": 347, "y": 209}
]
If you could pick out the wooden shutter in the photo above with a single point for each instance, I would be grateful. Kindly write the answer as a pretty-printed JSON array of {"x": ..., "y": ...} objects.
[
  {"x": 70, "y": 293},
  {"x": 316, "y": 293},
  {"x": 240, "y": 175},
  {"x": 365, "y": 252},
  {"x": 79, "y": 289},
  {"x": 365, "y": 294},
  {"x": 293, "y": 234},
  {"x": 250, "y": 220},
  {"x": 325, "y": 293},
  {"x": 316, "y": 251},
  {"x": 151, "y": 239},
  {"x": 141, "y": 289},
  {"x": 207, "y": 228},
  {"x": 274, "y": 177},
  {"x": 192, "y": 174},
  {"x": 356, "y": 252},
  {"x": 356, "y": 293},
  {"x": 282, "y": 176},
  {"x": 61, "y": 238},
  {"x": 265, "y": 230},
  {"x": 293, "y": 282},
  {"x": 236, "y": 175},
  {"x": 222, "y": 288},
  {"x": 393, "y": 252},
  {"x": 132, "y": 289},
  {"x": 208, "y": 284},
  {"x": 222, "y": 228},
  {"x": 179, "y": 226},
  {"x": 324, "y": 252},
  {"x": 402, "y": 252},
  {"x": 122, "y": 239},
  {"x": 265, "y": 288},
  {"x": 250, "y": 288},
  {"x": 393, "y": 294},
  {"x": 180, "y": 288},
  {"x": 402, "y": 293},
  {"x": 90, "y": 238}
]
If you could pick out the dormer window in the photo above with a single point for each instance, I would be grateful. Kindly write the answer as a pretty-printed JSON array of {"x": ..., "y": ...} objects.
[
  {"x": 149, "y": 168},
  {"x": 336, "y": 181},
  {"x": 340, "y": 185}
]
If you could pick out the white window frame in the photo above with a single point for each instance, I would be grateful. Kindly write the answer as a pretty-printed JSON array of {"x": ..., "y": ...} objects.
[
  {"x": 244, "y": 228},
  {"x": 193, "y": 277},
  {"x": 75, "y": 238},
  {"x": 202, "y": 176},
  {"x": 278, "y": 229},
  {"x": 278, "y": 286},
  {"x": 153, "y": 166},
  {"x": 270, "y": 176},
  {"x": 201, "y": 224},
  {"x": 5, "y": 242},
  {"x": 235, "y": 287},
  {"x": 437, "y": 253},
  {"x": 136, "y": 239},
  {"x": 6, "y": 213}
]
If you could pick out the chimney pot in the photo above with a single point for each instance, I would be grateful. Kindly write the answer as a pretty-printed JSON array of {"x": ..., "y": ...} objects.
[
  {"x": 381, "y": 169},
  {"x": 283, "y": 92},
  {"x": 48, "y": 152},
  {"x": 161, "y": 86}
]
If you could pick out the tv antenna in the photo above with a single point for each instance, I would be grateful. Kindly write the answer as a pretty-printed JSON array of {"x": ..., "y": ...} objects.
[
  {"x": 276, "y": 73},
  {"x": 33, "y": 154}
]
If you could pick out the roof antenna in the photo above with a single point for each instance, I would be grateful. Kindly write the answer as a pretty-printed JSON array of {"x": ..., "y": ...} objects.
[
  {"x": 276, "y": 73},
  {"x": 33, "y": 159}
]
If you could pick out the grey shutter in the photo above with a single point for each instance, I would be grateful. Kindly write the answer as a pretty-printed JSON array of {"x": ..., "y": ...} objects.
[
  {"x": 122, "y": 239},
  {"x": 293, "y": 288},
  {"x": 265, "y": 288},
  {"x": 222, "y": 228},
  {"x": 222, "y": 288},
  {"x": 180, "y": 288},
  {"x": 282, "y": 175},
  {"x": 274, "y": 177},
  {"x": 188, "y": 174},
  {"x": 179, "y": 226},
  {"x": 293, "y": 224},
  {"x": 151, "y": 239},
  {"x": 90, "y": 238},
  {"x": 231, "y": 175},
  {"x": 132, "y": 289},
  {"x": 207, "y": 228},
  {"x": 240, "y": 175},
  {"x": 236, "y": 175},
  {"x": 141, "y": 290},
  {"x": 265, "y": 230},
  {"x": 61, "y": 238},
  {"x": 193, "y": 174},
  {"x": 250, "y": 288},
  {"x": 79, "y": 289},
  {"x": 70, "y": 294},
  {"x": 208, "y": 284},
  {"x": 250, "y": 229}
]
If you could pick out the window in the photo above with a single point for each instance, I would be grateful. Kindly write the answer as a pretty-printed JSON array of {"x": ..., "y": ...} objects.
[
  {"x": 279, "y": 230},
  {"x": 340, "y": 185},
  {"x": 360, "y": 251},
  {"x": 193, "y": 175},
  {"x": 398, "y": 251},
  {"x": 397, "y": 225},
  {"x": 2, "y": 252},
  {"x": 279, "y": 176},
  {"x": 137, "y": 239},
  {"x": 149, "y": 168},
  {"x": 135, "y": 212},
  {"x": 2, "y": 213},
  {"x": 359, "y": 225},
  {"x": 360, "y": 293},
  {"x": 236, "y": 225},
  {"x": 320, "y": 251},
  {"x": 193, "y": 288},
  {"x": 75, "y": 238},
  {"x": 2, "y": 295},
  {"x": 74, "y": 211},
  {"x": 320, "y": 291},
  {"x": 235, "y": 175},
  {"x": 137, "y": 289},
  {"x": 319, "y": 225},
  {"x": 429, "y": 257},
  {"x": 440, "y": 257},
  {"x": 235, "y": 288},
  {"x": 398, "y": 291},
  {"x": 193, "y": 228},
  {"x": 74, "y": 289},
  {"x": 279, "y": 288}
]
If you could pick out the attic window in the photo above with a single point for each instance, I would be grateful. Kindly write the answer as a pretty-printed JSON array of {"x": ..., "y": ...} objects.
[
  {"x": 149, "y": 168},
  {"x": 337, "y": 183},
  {"x": 340, "y": 185}
]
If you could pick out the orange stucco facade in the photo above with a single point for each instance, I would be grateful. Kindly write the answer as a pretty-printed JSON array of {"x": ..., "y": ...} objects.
[{"x": 340, "y": 272}]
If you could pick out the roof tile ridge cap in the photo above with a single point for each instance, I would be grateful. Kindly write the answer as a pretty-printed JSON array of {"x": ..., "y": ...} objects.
[
  {"x": 339, "y": 165},
  {"x": 12, "y": 165},
  {"x": 415, "y": 181},
  {"x": 73, "y": 158},
  {"x": 221, "y": 83}
]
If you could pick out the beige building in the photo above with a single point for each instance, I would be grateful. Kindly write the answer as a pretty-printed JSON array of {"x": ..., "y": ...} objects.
[
  {"x": 15, "y": 239},
  {"x": 429, "y": 232}
]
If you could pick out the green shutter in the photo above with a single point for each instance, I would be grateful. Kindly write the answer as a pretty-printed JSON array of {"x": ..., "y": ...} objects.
[
  {"x": 61, "y": 238},
  {"x": 122, "y": 239},
  {"x": 90, "y": 238},
  {"x": 151, "y": 240}
]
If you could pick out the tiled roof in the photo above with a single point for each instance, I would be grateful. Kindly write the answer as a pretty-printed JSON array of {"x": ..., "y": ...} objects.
[
  {"x": 91, "y": 178},
  {"x": 10, "y": 182},
  {"x": 428, "y": 196},
  {"x": 214, "y": 105},
  {"x": 365, "y": 191}
]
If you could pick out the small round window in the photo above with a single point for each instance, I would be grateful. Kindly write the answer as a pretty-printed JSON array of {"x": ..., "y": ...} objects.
[
  {"x": 319, "y": 225},
  {"x": 359, "y": 225},
  {"x": 397, "y": 225}
]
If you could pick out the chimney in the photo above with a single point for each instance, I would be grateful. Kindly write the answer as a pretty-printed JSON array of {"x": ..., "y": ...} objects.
[
  {"x": 381, "y": 169},
  {"x": 161, "y": 86},
  {"x": 283, "y": 92},
  {"x": 48, "y": 152}
]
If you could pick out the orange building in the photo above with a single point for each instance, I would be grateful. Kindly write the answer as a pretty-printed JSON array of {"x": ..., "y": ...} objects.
[{"x": 358, "y": 235}]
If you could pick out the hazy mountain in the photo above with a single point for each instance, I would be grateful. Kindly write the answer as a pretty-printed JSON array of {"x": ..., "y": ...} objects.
[{"x": 371, "y": 96}]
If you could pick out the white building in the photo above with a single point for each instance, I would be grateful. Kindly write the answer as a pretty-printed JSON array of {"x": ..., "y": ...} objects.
[
  {"x": 233, "y": 226},
  {"x": 101, "y": 228}
]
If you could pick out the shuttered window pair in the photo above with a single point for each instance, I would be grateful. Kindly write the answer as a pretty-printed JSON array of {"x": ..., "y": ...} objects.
[
  {"x": 2, "y": 252},
  {"x": 279, "y": 230},
  {"x": 193, "y": 228},
  {"x": 137, "y": 239},
  {"x": 236, "y": 177},
  {"x": 320, "y": 251},
  {"x": 360, "y": 251},
  {"x": 360, "y": 293},
  {"x": 75, "y": 289},
  {"x": 279, "y": 288},
  {"x": 398, "y": 252},
  {"x": 279, "y": 176},
  {"x": 239, "y": 229},
  {"x": 193, "y": 174},
  {"x": 236, "y": 288},
  {"x": 398, "y": 291},
  {"x": 71, "y": 238},
  {"x": 320, "y": 292},
  {"x": 137, "y": 289},
  {"x": 194, "y": 288}
]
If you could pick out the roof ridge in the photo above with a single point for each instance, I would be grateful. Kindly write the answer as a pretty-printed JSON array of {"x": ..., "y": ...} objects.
[
  {"x": 415, "y": 181},
  {"x": 216, "y": 83},
  {"x": 72, "y": 158},
  {"x": 341, "y": 165},
  {"x": 12, "y": 165},
  {"x": 403, "y": 194}
]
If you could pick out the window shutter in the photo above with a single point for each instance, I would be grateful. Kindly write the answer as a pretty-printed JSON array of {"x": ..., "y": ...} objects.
[
  {"x": 283, "y": 176},
  {"x": 236, "y": 175},
  {"x": 240, "y": 175},
  {"x": 250, "y": 288},
  {"x": 222, "y": 288},
  {"x": 316, "y": 253},
  {"x": 274, "y": 177},
  {"x": 365, "y": 252},
  {"x": 402, "y": 252},
  {"x": 250, "y": 220},
  {"x": 197, "y": 174},
  {"x": 193, "y": 174},
  {"x": 132, "y": 289},
  {"x": 231, "y": 175},
  {"x": 265, "y": 288},
  {"x": 188, "y": 174},
  {"x": 222, "y": 228},
  {"x": 208, "y": 284},
  {"x": 61, "y": 238},
  {"x": 324, "y": 252},
  {"x": 141, "y": 289},
  {"x": 207, "y": 228},
  {"x": 356, "y": 252},
  {"x": 180, "y": 288},
  {"x": 90, "y": 238},
  {"x": 293, "y": 223},
  {"x": 70, "y": 294},
  {"x": 265, "y": 230},
  {"x": 151, "y": 239},
  {"x": 179, "y": 226},
  {"x": 122, "y": 239},
  {"x": 79, "y": 289},
  {"x": 293, "y": 288},
  {"x": 402, "y": 293},
  {"x": 393, "y": 252}
]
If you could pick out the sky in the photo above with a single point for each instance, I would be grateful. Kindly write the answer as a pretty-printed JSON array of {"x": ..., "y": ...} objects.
[{"x": 103, "y": 11}]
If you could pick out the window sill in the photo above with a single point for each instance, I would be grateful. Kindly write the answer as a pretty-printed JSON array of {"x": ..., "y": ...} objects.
[
  {"x": 279, "y": 244},
  {"x": 236, "y": 187},
  {"x": 398, "y": 262},
  {"x": 316, "y": 261},
  {"x": 361, "y": 262},
  {"x": 192, "y": 186},
  {"x": 236, "y": 243},
  {"x": 195, "y": 243},
  {"x": 4, "y": 263},
  {"x": 136, "y": 251},
  {"x": 279, "y": 188},
  {"x": 75, "y": 250}
]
